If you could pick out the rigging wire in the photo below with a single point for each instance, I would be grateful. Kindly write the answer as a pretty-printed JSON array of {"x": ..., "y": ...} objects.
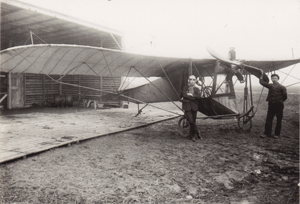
[
  {"x": 204, "y": 88},
  {"x": 289, "y": 76},
  {"x": 90, "y": 68},
  {"x": 21, "y": 61},
  {"x": 110, "y": 92},
  {"x": 288, "y": 73},
  {"x": 157, "y": 88},
  {"x": 245, "y": 105},
  {"x": 167, "y": 78},
  {"x": 116, "y": 92},
  {"x": 32, "y": 33},
  {"x": 258, "y": 103},
  {"x": 27, "y": 40},
  {"x": 115, "y": 40},
  {"x": 108, "y": 68},
  {"x": 130, "y": 82},
  {"x": 121, "y": 86},
  {"x": 293, "y": 84}
]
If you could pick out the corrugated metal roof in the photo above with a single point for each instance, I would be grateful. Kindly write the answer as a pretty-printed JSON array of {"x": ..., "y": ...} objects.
[{"x": 19, "y": 19}]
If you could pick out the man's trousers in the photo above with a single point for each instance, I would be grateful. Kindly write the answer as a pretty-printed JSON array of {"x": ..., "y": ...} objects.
[
  {"x": 191, "y": 116},
  {"x": 274, "y": 109}
]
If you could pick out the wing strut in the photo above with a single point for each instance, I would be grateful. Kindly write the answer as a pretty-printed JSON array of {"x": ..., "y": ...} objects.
[
  {"x": 110, "y": 92},
  {"x": 121, "y": 86},
  {"x": 116, "y": 41},
  {"x": 140, "y": 110}
]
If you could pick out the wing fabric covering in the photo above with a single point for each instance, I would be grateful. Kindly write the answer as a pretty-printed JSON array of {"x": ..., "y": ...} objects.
[
  {"x": 59, "y": 59},
  {"x": 268, "y": 66},
  {"x": 211, "y": 107},
  {"x": 87, "y": 60},
  {"x": 160, "y": 90}
]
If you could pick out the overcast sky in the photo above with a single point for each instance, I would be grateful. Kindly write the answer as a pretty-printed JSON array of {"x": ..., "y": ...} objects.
[{"x": 258, "y": 29}]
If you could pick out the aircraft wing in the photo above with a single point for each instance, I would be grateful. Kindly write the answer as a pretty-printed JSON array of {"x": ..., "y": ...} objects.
[
  {"x": 254, "y": 66},
  {"x": 271, "y": 65},
  {"x": 86, "y": 60}
]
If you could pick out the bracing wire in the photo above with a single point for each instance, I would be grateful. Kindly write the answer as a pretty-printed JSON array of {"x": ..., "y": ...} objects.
[
  {"x": 109, "y": 69},
  {"x": 167, "y": 77},
  {"x": 288, "y": 74},
  {"x": 157, "y": 88},
  {"x": 39, "y": 37},
  {"x": 121, "y": 86},
  {"x": 110, "y": 92}
]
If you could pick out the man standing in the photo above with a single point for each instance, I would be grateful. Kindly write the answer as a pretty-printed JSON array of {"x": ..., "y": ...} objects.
[
  {"x": 190, "y": 94},
  {"x": 276, "y": 96}
]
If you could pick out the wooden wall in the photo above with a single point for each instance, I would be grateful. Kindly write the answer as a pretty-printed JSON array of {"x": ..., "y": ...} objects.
[{"x": 40, "y": 88}]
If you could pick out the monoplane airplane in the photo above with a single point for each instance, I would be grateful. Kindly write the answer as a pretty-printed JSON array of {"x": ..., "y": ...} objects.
[{"x": 218, "y": 97}]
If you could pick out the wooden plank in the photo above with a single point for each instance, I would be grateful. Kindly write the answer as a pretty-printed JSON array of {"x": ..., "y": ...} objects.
[
  {"x": 23, "y": 142},
  {"x": 20, "y": 147},
  {"x": 9, "y": 155}
]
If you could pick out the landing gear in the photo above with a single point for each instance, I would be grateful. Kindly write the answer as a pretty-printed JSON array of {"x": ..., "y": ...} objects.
[
  {"x": 245, "y": 120},
  {"x": 183, "y": 125},
  {"x": 183, "y": 122}
]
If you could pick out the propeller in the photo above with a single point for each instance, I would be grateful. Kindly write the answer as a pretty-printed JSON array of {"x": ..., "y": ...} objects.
[
  {"x": 221, "y": 58},
  {"x": 253, "y": 70}
]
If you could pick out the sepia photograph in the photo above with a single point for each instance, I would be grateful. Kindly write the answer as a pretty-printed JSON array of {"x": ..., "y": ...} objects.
[{"x": 149, "y": 101}]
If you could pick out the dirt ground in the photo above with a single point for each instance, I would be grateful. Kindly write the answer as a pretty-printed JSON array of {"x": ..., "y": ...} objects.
[{"x": 156, "y": 164}]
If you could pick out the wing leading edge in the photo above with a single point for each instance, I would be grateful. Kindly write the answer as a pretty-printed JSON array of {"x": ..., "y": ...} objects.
[{"x": 87, "y": 60}]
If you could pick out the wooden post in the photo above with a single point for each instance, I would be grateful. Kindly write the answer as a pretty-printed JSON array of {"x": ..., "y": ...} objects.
[
  {"x": 9, "y": 91},
  {"x": 31, "y": 37},
  {"x": 101, "y": 85},
  {"x": 60, "y": 87},
  {"x": 191, "y": 68},
  {"x": 79, "y": 89},
  {"x": 44, "y": 94},
  {"x": 24, "y": 84}
]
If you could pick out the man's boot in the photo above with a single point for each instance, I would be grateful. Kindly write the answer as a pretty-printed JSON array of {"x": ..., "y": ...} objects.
[
  {"x": 192, "y": 133},
  {"x": 199, "y": 135}
]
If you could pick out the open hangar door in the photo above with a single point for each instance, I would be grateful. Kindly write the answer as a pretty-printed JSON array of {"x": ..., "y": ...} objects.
[{"x": 27, "y": 90}]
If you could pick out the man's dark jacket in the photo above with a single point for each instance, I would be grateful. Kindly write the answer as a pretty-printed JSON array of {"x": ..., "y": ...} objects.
[
  {"x": 277, "y": 92},
  {"x": 189, "y": 102}
]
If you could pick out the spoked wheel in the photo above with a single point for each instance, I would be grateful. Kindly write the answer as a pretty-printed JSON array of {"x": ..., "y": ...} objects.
[
  {"x": 206, "y": 91},
  {"x": 245, "y": 123},
  {"x": 245, "y": 120},
  {"x": 183, "y": 125}
]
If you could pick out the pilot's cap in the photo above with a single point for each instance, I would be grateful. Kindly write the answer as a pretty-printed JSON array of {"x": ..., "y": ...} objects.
[{"x": 275, "y": 75}]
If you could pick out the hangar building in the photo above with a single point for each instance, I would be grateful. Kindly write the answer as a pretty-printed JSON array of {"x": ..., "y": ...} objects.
[{"x": 25, "y": 24}]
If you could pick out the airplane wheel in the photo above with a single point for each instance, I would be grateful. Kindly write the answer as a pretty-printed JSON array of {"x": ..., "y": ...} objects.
[
  {"x": 245, "y": 123},
  {"x": 183, "y": 125}
]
